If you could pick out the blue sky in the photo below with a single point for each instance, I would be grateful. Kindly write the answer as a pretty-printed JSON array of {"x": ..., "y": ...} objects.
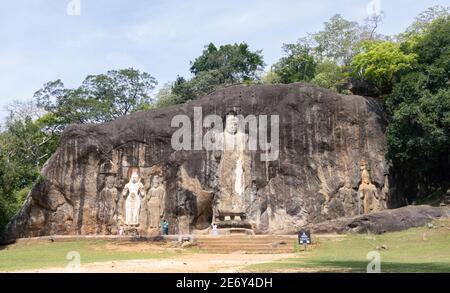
[{"x": 40, "y": 42}]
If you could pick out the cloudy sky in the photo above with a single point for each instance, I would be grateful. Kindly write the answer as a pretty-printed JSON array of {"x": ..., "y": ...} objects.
[{"x": 40, "y": 41}]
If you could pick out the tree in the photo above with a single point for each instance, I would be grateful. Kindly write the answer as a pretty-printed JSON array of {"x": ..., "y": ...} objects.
[
  {"x": 418, "y": 134},
  {"x": 233, "y": 63},
  {"x": 100, "y": 98},
  {"x": 338, "y": 39},
  {"x": 165, "y": 97},
  {"x": 119, "y": 92},
  {"x": 24, "y": 148},
  {"x": 433, "y": 51},
  {"x": 324, "y": 58},
  {"x": 380, "y": 62},
  {"x": 297, "y": 65},
  {"x": 271, "y": 77},
  {"x": 423, "y": 21},
  {"x": 21, "y": 110},
  {"x": 217, "y": 67},
  {"x": 330, "y": 75},
  {"x": 371, "y": 24}
]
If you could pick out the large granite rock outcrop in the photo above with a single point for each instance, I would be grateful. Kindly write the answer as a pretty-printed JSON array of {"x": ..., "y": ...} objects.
[
  {"x": 383, "y": 221},
  {"x": 331, "y": 164}
]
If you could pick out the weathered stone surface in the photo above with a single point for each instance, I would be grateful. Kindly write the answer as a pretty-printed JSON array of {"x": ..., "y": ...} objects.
[
  {"x": 384, "y": 221},
  {"x": 323, "y": 138}
]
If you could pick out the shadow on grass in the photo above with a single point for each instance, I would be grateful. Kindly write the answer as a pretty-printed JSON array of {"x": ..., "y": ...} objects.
[{"x": 386, "y": 267}]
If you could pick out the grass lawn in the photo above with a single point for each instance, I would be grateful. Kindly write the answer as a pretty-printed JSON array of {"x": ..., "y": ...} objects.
[
  {"x": 46, "y": 254},
  {"x": 414, "y": 250}
]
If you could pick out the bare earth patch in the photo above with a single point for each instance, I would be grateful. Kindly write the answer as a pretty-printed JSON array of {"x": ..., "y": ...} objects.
[
  {"x": 137, "y": 247},
  {"x": 193, "y": 263}
]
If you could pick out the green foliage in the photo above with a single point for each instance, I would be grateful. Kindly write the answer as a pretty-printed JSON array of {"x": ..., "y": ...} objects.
[
  {"x": 100, "y": 98},
  {"x": 331, "y": 76},
  {"x": 419, "y": 131},
  {"x": 165, "y": 97},
  {"x": 271, "y": 78},
  {"x": 423, "y": 21},
  {"x": 433, "y": 50},
  {"x": 24, "y": 149},
  {"x": 380, "y": 62},
  {"x": 41, "y": 255},
  {"x": 216, "y": 67},
  {"x": 408, "y": 252},
  {"x": 338, "y": 39},
  {"x": 323, "y": 58},
  {"x": 297, "y": 65},
  {"x": 233, "y": 63}
]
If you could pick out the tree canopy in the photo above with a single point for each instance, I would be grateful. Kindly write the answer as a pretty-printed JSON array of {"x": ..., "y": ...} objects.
[{"x": 216, "y": 67}]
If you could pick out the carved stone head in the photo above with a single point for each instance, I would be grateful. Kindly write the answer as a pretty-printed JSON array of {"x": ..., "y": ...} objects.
[
  {"x": 231, "y": 124},
  {"x": 365, "y": 175},
  {"x": 134, "y": 178},
  {"x": 156, "y": 181},
  {"x": 110, "y": 182}
]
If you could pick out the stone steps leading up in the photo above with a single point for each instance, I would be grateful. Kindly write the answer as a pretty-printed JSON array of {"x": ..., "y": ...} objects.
[{"x": 247, "y": 244}]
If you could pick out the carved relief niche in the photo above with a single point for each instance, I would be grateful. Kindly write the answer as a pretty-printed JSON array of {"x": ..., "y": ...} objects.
[
  {"x": 133, "y": 177},
  {"x": 368, "y": 192}
]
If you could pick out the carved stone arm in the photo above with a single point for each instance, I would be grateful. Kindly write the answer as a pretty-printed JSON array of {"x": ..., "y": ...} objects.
[
  {"x": 141, "y": 190},
  {"x": 125, "y": 191},
  {"x": 361, "y": 194}
]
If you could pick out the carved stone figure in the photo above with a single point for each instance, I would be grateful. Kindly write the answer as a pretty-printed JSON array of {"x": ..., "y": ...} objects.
[
  {"x": 133, "y": 192},
  {"x": 368, "y": 192},
  {"x": 185, "y": 209},
  {"x": 155, "y": 204},
  {"x": 384, "y": 193},
  {"x": 234, "y": 171},
  {"x": 107, "y": 203}
]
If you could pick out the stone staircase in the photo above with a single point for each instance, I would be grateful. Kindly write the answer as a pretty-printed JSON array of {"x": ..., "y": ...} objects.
[{"x": 254, "y": 244}]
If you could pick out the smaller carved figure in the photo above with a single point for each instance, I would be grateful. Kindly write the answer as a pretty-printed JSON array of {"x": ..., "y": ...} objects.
[
  {"x": 155, "y": 204},
  {"x": 107, "y": 203},
  {"x": 368, "y": 192}
]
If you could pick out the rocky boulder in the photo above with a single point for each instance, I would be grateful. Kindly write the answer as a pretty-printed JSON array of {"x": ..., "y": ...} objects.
[
  {"x": 323, "y": 139},
  {"x": 382, "y": 222}
]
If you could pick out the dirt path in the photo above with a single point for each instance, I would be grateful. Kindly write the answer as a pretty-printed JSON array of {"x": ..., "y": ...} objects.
[{"x": 193, "y": 263}]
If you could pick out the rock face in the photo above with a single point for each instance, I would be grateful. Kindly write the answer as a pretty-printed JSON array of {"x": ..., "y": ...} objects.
[
  {"x": 328, "y": 143},
  {"x": 384, "y": 221}
]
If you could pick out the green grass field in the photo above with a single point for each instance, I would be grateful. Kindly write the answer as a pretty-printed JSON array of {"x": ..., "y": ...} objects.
[
  {"x": 45, "y": 254},
  {"x": 414, "y": 250}
]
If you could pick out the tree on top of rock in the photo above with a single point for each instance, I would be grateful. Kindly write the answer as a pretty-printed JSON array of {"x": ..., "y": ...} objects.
[{"x": 216, "y": 67}]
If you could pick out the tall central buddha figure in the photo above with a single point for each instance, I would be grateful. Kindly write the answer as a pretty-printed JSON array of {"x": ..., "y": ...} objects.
[
  {"x": 133, "y": 193},
  {"x": 234, "y": 171}
]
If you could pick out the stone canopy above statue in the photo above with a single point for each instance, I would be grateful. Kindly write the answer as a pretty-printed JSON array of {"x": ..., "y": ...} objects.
[{"x": 124, "y": 176}]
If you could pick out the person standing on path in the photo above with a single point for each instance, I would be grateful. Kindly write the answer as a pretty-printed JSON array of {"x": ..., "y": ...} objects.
[{"x": 165, "y": 228}]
